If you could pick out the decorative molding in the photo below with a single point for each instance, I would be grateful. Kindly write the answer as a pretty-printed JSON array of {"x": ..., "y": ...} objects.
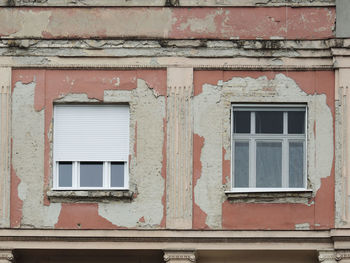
[
  {"x": 179, "y": 256},
  {"x": 274, "y": 48},
  {"x": 5, "y": 108},
  {"x": 328, "y": 256},
  {"x": 160, "y": 3},
  {"x": 179, "y": 154},
  {"x": 333, "y": 256},
  {"x": 6, "y": 256}
]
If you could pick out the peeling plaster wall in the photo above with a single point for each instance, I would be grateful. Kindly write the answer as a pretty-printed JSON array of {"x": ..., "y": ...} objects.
[
  {"x": 148, "y": 111},
  {"x": 215, "y": 94},
  {"x": 34, "y": 92},
  {"x": 28, "y": 158},
  {"x": 176, "y": 23}
]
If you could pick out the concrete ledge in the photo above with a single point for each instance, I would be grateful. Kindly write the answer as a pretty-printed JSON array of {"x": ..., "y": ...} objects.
[
  {"x": 270, "y": 197},
  {"x": 165, "y": 239},
  {"x": 59, "y": 196}
]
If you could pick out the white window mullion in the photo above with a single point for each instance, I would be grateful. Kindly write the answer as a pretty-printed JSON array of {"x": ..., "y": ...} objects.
[
  {"x": 252, "y": 163},
  {"x": 285, "y": 123},
  {"x": 56, "y": 175},
  {"x": 76, "y": 174},
  {"x": 285, "y": 152},
  {"x": 252, "y": 122},
  {"x": 106, "y": 175},
  {"x": 305, "y": 162},
  {"x": 306, "y": 130},
  {"x": 252, "y": 153},
  {"x": 126, "y": 175},
  {"x": 285, "y": 163}
]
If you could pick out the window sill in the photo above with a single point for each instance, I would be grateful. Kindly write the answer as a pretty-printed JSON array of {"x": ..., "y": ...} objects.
[
  {"x": 302, "y": 196},
  {"x": 63, "y": 196}
]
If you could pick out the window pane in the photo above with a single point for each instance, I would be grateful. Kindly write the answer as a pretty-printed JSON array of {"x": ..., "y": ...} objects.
[
  {"x": 91, "y": 174},
  {"x": 269, "y": 122},
  {"x": 296, "y": 122},
  {"x": 241, "y": 122},
  {"x": 65, "y": 174},
  {"x": 296, "y": 164},
  {"x": 117, "y": 174},
  {"x": 268, "y": 164},
  {"x": 241, "y": 166}
]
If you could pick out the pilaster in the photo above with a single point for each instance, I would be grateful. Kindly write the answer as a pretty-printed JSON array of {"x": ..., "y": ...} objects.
[
  {"x": 5, "y": 112},
  {"x": 179, "y": 152}
]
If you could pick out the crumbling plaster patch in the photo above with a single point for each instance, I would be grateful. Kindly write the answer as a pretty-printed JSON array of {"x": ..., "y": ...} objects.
[
  {"x": 28, "y": 158},
  {"x": 212, "y": 110},
  {"x": 146, "y": 179},
  {"x": 303, "y": 226}
]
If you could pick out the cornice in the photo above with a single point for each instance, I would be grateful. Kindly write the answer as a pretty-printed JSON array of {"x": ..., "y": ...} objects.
[{"x": 167, "y": 3}]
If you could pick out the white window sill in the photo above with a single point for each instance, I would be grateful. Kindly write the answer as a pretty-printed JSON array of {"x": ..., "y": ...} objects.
[
  {"x": 67, "y": 196},
  {"x": 269, "y": 195}
]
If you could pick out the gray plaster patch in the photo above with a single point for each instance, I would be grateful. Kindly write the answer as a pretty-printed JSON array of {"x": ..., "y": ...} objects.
[
  {"x": 208, "y": 113},
  {"x": 212, "y": 110},
  {"x": 206, "y": 24},
  {"x": 148, "y": 111},
  {"x": 28, "y": 158},
  {"x": 75, "y": 97},
  {"x": 304, "y": 226}
]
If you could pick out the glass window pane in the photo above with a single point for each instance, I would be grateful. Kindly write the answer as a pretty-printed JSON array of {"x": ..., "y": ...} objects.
[
  {"x": 268, "y": 164},
  {"x": 241, "y": 165},
  {"x": 296, "y": 122},
  {"x": 91, "y": 174},
  {"x": 269, "y": 122},
  {"x": 117, "y": 174},
  {"x": 241, "y": 122},
  {"x": 296, "y": 164},
  {"x": 65, "y": 174}
]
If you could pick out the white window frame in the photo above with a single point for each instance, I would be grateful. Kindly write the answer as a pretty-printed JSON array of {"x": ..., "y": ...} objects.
[
  {"x": 106, "y": 176},
  {"x": 252, "y": 138}
]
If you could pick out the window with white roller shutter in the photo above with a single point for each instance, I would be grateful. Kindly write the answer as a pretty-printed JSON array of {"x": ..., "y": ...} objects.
[{"x": 91, "y": 146}]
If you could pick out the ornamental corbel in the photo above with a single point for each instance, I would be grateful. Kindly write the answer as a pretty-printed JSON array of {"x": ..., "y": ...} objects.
[{"x": 179, "y": 256}]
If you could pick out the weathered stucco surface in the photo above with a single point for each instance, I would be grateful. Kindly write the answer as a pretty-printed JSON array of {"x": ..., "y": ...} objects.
[
  {"x": 176, "y": 23},
  {"x": 145, "y": 90},
  {"x": 32, "y": 147},
  {"x": 212, "y": 122},
  {"x": 146, "y": 180},
  {"x": 28, "y": 158}
]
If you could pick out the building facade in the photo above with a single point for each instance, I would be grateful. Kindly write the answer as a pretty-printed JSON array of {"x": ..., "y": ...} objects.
[{"x": 174, "y": 131}]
